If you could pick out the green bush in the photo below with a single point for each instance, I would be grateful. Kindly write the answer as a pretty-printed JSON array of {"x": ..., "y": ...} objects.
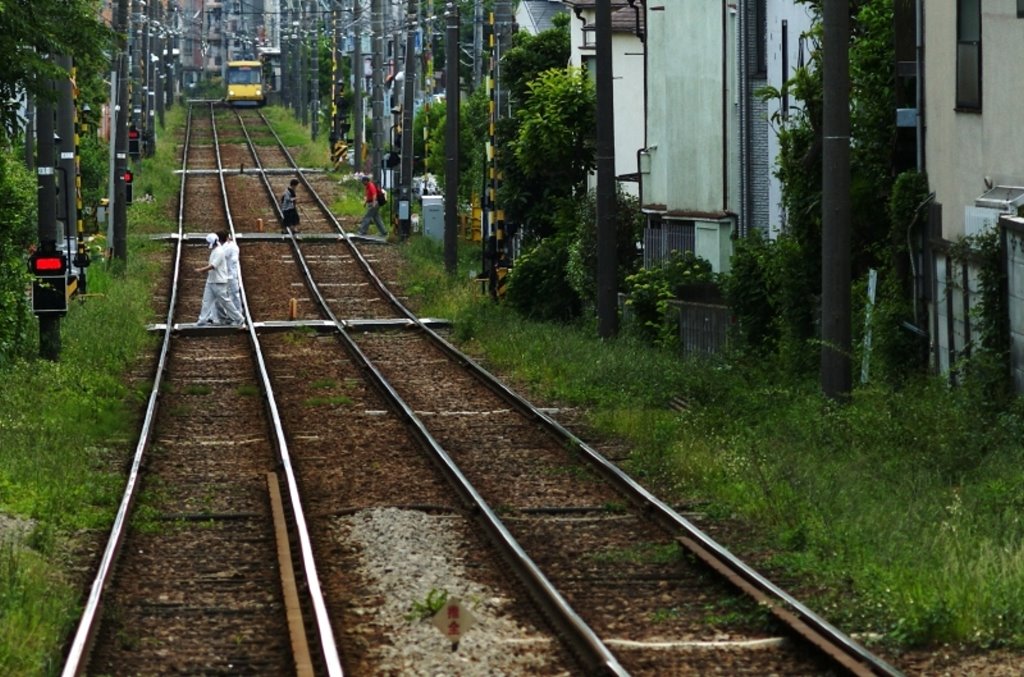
[
  {"x": 650, "y": 289},
  {"x": 773, "y": 295},
  {"x": 581, "y": 271},
  {"x": 18, "y": 227},
  {"x": 537, "y": 286}
]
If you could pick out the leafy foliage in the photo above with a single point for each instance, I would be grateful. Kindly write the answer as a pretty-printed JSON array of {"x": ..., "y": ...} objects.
[
  {"x": 536, "y": 286},
  {"x": 581, "y": 270},
  {"x": 986, "y": 370},
  {"x": 775, "y": 287},
  {"x": 650, "y": 289},
  {"x": 555, "y": 139},
  {"x": 531, "y": 55},
  {"x": 17, "y": 232},
  {"x": 31, "y": 33}
]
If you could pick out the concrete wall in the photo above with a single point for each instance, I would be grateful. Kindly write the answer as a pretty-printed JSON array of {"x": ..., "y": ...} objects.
[
  {"x": 628, "y": 87},
  {"x": 964, "y": 147},
  {"x": 686, "y": 126}
]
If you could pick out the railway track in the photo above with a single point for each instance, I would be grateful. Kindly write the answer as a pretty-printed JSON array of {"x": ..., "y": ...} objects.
[{"x": 407, "y": 470}]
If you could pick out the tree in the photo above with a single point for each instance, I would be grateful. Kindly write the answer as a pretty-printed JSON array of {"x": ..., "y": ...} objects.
[
  {"x": 17, "y": 232},
  {"x": 553, "y": 149},
  {"x": 531, "y": 55},
  {"x": 32, "y": 31}
]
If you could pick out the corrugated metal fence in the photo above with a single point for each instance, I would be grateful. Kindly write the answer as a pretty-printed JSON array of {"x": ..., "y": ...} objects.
[{"x": 702, "y": 328}]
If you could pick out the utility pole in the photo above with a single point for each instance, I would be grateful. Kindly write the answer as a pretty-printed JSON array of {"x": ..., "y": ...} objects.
[
  {"x": 163, "y": 54},
  {"x": 121, "y": 115},
  {"x": 478, "y": 42},
  {"x": 377, "y": 112},
  {"x": 408, "y": 92},
  {"x": 303, "y": 61},
  {"x": 49, "y": 323},
  {"x": 358, "y": 78},
  {"x": 451, "y": 143},
  {"x": 67, "y": 210},
  {"x": 607, "y": 313},
  {"x": 314, "y": 74},
  {"x": 835, "y": 203},
  {"x": 151, "y": 79}
]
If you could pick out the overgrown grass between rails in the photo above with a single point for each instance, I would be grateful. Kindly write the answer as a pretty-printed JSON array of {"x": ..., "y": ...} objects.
[
  {"x": 66, "y": 426},
  {"x": 307, "y": 152},
  {"x": 906, "y": 504}
]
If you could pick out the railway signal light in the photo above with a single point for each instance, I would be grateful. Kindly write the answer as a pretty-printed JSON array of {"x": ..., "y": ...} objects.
[
  {"x": 49, "y": 289},
  {"x": 128, "y": 177},
  {"x": 133, "y": 142}
]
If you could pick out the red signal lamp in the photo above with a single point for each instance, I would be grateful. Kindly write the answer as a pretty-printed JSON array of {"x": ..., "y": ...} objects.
[
  {"x": 128, "y": 176},
  {"x": 48, "y": 264}
]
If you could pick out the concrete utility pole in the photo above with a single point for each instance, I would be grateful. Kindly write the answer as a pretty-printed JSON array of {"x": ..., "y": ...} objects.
[
  {"x": 163, "y": 54},
  {"x": 408, "y": 92},
  {"x": 119, "y": 244},
  {"x": 314, "y": 74},
  {"x": 67, "y": 210},
  {"x": 357, "y": 84},
  {"x": 303, "y": 61},
  {"x": 49, "y": 323},
  {"x": 377, "y": 112},
  {"x": 451, "y": 142},
  {"x": 151, "y": 80},
  {"x": 478, "y": 43},
  {"x": 607, "y": 313},
  {"x": 835, "y": 203}
]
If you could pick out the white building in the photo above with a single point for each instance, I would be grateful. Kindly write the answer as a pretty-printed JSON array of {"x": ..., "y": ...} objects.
[{"x": 627, "y": 78}]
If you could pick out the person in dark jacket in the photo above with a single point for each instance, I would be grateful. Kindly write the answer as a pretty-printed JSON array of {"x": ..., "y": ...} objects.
[{"x": 289, "y": 210}]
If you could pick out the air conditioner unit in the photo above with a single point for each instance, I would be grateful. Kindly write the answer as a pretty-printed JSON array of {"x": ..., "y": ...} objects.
[
  {"x": 990, "y": 205},
  {"x": 1004, "y": 199},
  {"x": 979, "y": 219}
]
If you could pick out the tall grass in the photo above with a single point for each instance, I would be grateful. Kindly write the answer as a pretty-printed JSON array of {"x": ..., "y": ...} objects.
[
  {"x": 905, "y": 504},
  {"x": 65, "y": 428}
]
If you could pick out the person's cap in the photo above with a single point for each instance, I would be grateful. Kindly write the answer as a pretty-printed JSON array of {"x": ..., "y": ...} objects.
[
  {"x": 211, "y": 240},
  {"x": 364, "y": 178}
]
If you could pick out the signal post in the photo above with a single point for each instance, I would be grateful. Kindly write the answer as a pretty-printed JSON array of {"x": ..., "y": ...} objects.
[{"x": 47, "y": 263}]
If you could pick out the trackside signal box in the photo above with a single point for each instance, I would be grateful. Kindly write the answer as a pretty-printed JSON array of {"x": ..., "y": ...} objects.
[
  {"x": 49, "y": 289},
  {"x": 133, "y": 142}
]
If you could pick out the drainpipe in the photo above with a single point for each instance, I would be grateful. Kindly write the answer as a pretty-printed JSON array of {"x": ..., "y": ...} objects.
[
  {"x": 725, "y": 109},
  {"x": 744, "y": 93},
  {"x": 919, "y": 87},
  {"x": 641, "y": 32}
]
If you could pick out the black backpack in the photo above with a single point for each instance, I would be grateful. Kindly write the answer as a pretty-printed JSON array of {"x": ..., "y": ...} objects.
[{"x": 382, "y": 197}]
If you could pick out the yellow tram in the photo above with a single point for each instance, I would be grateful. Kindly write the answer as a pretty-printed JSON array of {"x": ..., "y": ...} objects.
[{"x": 245, "y": 84}]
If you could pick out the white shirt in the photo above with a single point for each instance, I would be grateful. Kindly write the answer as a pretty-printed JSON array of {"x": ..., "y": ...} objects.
[
  {"x": 219, "y": 274},
  {"x": 231, "y": 255}
]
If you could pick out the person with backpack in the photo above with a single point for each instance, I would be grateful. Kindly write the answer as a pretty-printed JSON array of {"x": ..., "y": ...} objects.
[
  {"x": 375, "y": 197},
  {"x": 289, "y": 210}
]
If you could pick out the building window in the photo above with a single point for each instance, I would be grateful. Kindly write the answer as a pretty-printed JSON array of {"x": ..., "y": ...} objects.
[
  {"x": 1020, "y": 9},
  {"x": 968, "y": 54}
]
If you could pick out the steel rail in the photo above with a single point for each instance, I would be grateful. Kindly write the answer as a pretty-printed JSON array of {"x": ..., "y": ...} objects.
[
  {"x": 325, "y": 632},
  {"x": 87, "y": 625},
  {"x": 582, "y": 640},
  {"x": 840, "y": 647}
]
